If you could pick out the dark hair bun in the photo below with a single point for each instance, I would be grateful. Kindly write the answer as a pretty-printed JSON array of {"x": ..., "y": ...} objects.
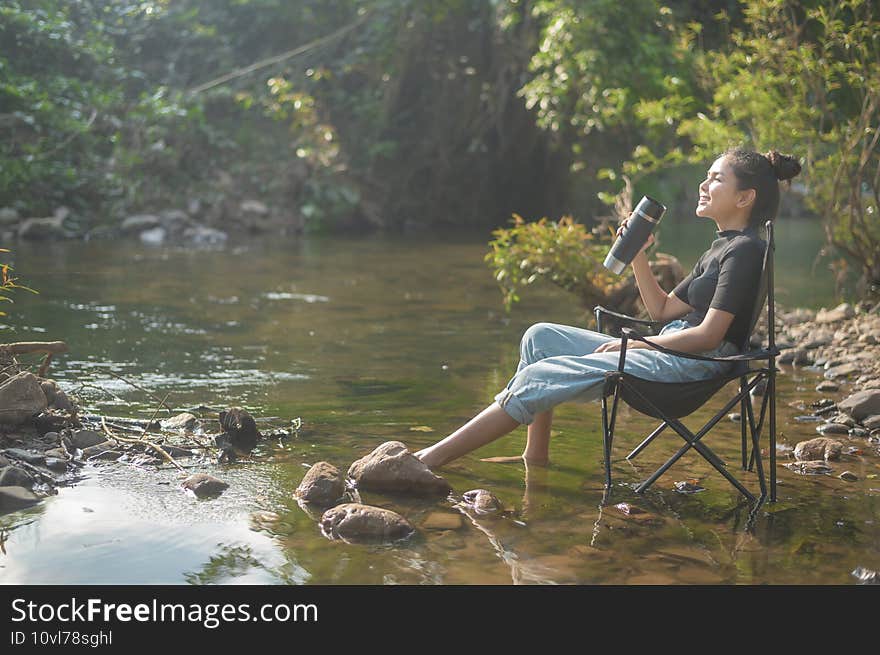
[{"x": 785, "y": 166}]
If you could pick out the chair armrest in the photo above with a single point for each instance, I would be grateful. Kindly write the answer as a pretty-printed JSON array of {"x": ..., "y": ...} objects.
[
  {"x": 598, "y": 309},
  {"x": 752, "y": 355}
]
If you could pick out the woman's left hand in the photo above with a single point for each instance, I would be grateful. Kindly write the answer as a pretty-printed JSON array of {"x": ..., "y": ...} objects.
[{"x": 614, "y": 346}]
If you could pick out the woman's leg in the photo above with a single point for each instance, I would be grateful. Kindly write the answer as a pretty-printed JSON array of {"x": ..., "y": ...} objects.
[
  {"x": 540, "y": 341},
  {"x": 487, "y": 426},
  {"x": 538, "y": 441}
]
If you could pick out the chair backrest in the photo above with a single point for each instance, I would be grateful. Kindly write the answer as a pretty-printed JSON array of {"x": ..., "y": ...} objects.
[{"x": 765, "y": 293}]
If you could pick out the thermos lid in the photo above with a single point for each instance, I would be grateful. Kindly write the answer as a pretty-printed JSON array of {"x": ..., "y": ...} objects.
[{"x": 650, "y": 209}]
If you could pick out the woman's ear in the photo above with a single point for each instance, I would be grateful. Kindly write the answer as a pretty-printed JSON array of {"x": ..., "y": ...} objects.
[{"x": 745, "y": 197}]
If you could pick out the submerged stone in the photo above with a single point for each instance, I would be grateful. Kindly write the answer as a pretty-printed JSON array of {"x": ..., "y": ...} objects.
[
  {"x": 355, "y": 522},
  {"x": 482, "y": 501},
  {"x": 813, "y": 467},
  {"x": 203, "y": 485}
]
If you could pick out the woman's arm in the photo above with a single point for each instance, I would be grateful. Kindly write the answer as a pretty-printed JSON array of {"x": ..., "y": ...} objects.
[
  {"x": 661, "y": 306},
  {"x": 708, "y": 335}
]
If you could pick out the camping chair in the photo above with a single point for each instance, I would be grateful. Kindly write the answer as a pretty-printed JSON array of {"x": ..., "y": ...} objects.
[{"x": 670, "y": 401}]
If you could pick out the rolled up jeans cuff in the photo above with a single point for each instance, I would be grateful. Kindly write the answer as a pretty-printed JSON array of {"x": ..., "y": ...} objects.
[{"x": 514, "y": 407}]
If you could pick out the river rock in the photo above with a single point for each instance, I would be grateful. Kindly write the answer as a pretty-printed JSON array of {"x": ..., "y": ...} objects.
[
  {"x": 21, "y": 397},
  {"x": 50, "y": 389},
  {"x": 323, "y": 485},
  {"x": 56, "y": 464},
  {"x": 42, "y": 229},
  {"x": 796, "y": 356},
  {"x": 254, "y": 207},
  {"x": 154, "y": 237},
  {"x": 20, "y": 454},
  {"x": 62, "y": 402},
  {"x": 13, "y": 498},
  {"x": 240, "y": 434},
  {"x": 203, "y": 485},
  {"x": 12, "y": 476},
  {"x": 872, "y": 422},
  {"x": 104, "y": 451},
  {"x": 842, "y": 371},
  {"x": 812, "y": 467},
  {"x": 839, "y": 313},
  {"x": 832, "y": 428},
  {"x": 183, "y": 421},
  {"x": 86, "y": 438},
  {"x": 827, "y": 386},
  {"x": 866, "y": 576},
  {"x": 139, "y": 223},
  {"x": 354, "y": 521},
  {"x": 818, "y": 448},
  {"x": 861, "y": 405},
  {"x": 391, "y": 467},
  {"x": 443, "y": 521},
  {"x": 200, "y": 235},
  {"x": 483, "y": 501}
]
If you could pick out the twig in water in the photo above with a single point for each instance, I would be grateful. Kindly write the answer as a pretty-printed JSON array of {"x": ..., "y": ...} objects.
[
  {"x": 146, "y": 391},
  {"x": 92, "y": 386},
  {"x": 143, "y": 441}
]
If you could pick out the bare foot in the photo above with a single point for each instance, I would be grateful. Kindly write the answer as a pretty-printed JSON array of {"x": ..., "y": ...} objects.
[{"x": 516, "y": 459}]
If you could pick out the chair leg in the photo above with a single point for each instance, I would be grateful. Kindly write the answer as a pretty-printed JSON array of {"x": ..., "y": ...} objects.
[
  {"x": 606, "y": 438},
  {"x": 771, "y": 389},
  {"x": 693, "y": 440},
  {"x": 742, "y": 419},
  {"x": 648, "y": 440}
]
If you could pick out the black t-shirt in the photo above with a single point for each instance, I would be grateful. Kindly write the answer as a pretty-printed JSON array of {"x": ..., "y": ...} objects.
[{"x": 726, "y": 277}]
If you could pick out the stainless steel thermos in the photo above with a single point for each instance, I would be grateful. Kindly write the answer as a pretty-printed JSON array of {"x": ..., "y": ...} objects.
[{"x": 642, "y": 222}]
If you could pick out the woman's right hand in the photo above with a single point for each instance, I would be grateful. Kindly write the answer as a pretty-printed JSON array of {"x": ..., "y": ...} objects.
[{"x": 648, "y": 243}]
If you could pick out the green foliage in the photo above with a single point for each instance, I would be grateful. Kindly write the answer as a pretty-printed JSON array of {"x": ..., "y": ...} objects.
[
  {"x": 9, "y": 283},
  {"x": 563, "y": 252},
  {"x": 801, "y": 77}
]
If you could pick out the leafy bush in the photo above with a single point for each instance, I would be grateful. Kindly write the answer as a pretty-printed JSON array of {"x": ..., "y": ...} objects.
[{"x": 563, "y": 252}]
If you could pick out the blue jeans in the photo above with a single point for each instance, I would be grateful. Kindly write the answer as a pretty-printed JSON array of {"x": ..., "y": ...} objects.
[{"x": 558, "y": 363}]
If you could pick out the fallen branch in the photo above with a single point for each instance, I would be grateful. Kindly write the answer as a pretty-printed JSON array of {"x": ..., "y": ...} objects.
[
  {"x": 22, "y": 347},
  {"x": 142, "y": 441}
]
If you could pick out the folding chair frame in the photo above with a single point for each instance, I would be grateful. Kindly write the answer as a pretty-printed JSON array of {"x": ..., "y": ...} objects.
[{"x": 618, "y": 383}]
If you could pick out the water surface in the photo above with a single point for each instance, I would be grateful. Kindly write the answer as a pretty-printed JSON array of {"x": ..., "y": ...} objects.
[{"x": 367, "y": 340}]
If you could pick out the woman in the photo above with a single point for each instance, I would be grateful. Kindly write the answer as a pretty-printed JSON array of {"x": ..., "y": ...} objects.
[{"x": 709, "y": 312}]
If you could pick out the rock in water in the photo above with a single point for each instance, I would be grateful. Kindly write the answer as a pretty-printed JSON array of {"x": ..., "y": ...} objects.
[
  {"x": 861, "y": 405},
  {"x": 818, "y": 448},
  {"x": 183, "y": 421},
  {"x": 12, "y": 476},
  {"x": 204, "y": 485},
  {"x": 21, "y": 397},
  {"x": 86, "y": 438},
  {"x": 240, "y": 434},
  {"x": 13, "y": 498},
  {"x": 483, "y": 501},
  {"x": 391, "y": 467},
  {"x": 355, "y": 522},
  {"x": 813, "y": 467},
  {"x": 322, "y": 485}
]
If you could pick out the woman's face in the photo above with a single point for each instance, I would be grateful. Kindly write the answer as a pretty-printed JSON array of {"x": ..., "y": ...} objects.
[{"x": 719, "y": 197}]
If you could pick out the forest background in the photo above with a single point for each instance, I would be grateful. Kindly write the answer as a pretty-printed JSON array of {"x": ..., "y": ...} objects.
[{"x": 345, "y": 115}]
